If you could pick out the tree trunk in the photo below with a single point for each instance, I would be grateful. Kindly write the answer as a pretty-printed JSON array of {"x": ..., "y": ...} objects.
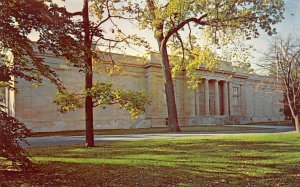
[
  {"x": 293, "y": 111},
  {"x": 89, "y": 131},
  {"x": 89, "y": 112},
  {"x": 297, "y": 125},
  {"x": 169, "y": 86},
  {"x": 1, "y": 134},
  {"x": 173, "y": 125}
]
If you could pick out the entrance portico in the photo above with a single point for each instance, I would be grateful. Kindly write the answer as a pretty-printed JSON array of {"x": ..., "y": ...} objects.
[{"x": 212, "y": 97}]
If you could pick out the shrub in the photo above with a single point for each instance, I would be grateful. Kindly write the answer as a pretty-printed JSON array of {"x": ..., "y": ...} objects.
[{"x": 12, "y": 133}]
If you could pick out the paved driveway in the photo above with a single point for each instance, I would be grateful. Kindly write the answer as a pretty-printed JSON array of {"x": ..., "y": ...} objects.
[{"x": 63, "y": 140}]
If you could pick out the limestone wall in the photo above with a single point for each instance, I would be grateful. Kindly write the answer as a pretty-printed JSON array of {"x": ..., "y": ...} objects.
[
  {"x": 256, "y": 102},
  {"x": 35, "y": 107},
  {"x": 263, "y": 98}
]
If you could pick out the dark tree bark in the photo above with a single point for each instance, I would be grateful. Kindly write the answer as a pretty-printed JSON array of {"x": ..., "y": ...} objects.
[
  {"x": 162, "y": 39},
  {"x": 173, "y": 125},
  {"x": 88, "y": 77}
]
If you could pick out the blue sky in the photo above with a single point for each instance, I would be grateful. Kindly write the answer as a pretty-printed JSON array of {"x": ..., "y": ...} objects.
[{"x": 290, "y": 25}]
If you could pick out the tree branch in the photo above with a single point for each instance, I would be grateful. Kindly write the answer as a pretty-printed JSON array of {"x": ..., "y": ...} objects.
[
  {"x": 182, "y": 24},
  {"x": 64, "y": 11}
]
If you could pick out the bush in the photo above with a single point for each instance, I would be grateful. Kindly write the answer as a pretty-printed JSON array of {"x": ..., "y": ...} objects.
[{"x": 12, "y": 133}]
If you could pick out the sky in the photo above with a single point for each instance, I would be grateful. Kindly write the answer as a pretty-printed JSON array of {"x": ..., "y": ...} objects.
[{"x": 290, "y": 25}]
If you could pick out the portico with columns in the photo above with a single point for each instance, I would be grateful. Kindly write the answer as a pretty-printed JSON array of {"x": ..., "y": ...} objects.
[
  {"x": 220, "y": 98},
  {"x": 211, "y": 97}
]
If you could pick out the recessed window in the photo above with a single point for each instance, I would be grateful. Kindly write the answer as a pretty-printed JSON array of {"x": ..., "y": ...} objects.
[
  {"x": 236, "y": 96},
  {"x": 2, "y": 99},
  {"x": 2, "y": 95}
]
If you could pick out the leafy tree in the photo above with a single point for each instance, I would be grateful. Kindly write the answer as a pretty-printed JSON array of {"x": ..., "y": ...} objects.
[
  {"x": 68, "y": 34},
  {"x": 244, "y": 67},
  {"x": 17, "y": 20},
  {"x": 103, "y": 94},
  {"x": 283, "y": 62},
  {"x": 91, "y": 34},
  {"x": 12, "y": 133},
  {"x": 221, "y": 21}
]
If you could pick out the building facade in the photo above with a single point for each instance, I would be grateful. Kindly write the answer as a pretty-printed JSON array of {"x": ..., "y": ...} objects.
[{"x": 222, "y": 97}]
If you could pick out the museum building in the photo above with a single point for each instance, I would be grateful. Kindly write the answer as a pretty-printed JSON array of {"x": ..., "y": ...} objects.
[{"x": 222, "y": 97}]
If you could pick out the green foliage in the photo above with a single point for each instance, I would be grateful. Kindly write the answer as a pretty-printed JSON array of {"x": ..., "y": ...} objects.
[
  {"x": 18, "y": 19},
  {"x": 104, "y": 94},
  {"x": 194, "y": 58},
  {"x": 132, "y": 100},
  {"x": 68, "y": 101},
  {"x": 4, "y": 84},
  {"x": 220, "y": 27},
  {"x": 12, "y": 132},
  {"x": 244, "y": 67}
]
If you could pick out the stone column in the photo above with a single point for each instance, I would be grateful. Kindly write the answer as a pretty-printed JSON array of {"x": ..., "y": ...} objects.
[
  {"x": 244, "y": 100},
  {"x": 225, "y": 95},
  {"x": 197, "y": 107},
  {"x": 192, "y": 103},
  {"x": 207, "y": 112},
  {"x": 230, "y": 100},
  {"x": 217, "y": 98}
]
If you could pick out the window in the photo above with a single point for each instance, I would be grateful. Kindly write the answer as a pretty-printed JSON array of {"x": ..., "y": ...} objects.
[
  {"x": 2, "y": 95},
  {"x": 2, "y": 99},
  {"x": 236, "y": 96}
]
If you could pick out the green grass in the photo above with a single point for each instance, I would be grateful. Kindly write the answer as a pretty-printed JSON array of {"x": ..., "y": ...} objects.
[
  {"x": 274, "y": 123},
  {"x": 200, "y": 128},
  {"x": 224, "y": 160}
]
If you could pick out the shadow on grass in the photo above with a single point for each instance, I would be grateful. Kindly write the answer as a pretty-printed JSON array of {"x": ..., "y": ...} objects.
[{"x": 208, "y": 162}]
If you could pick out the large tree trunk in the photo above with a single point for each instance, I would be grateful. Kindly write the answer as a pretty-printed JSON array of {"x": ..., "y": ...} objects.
[
  {"x": 297, "y": 125},
  {"x": 88, "y": 77},
  {"x": 169, "y": 87},
  {"x": 294, "y": 114},
  {"x": 173, "y": 125}
]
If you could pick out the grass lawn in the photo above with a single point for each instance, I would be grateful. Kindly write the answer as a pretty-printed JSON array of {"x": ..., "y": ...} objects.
[
  {"x": 274, "y": 123},
  {"x": 224, "y": 160},
  {"x": 199, "y": 128}
]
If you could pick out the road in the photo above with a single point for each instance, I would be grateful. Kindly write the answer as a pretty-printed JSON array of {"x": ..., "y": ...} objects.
[{"x": 64, "y": 140}]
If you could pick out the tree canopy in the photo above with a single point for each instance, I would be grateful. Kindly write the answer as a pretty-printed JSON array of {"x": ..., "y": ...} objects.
[
  {"x": 220, "y": 22},
  {"x": 73, "y": 36},
  {"x": 283, "y": 63},
  {"x": 19, "y": 59},
  {"x": 18, "y": 20}
]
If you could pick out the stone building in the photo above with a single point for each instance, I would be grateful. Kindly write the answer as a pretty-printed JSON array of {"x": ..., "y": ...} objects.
[{"x": 222, "y": 97}]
